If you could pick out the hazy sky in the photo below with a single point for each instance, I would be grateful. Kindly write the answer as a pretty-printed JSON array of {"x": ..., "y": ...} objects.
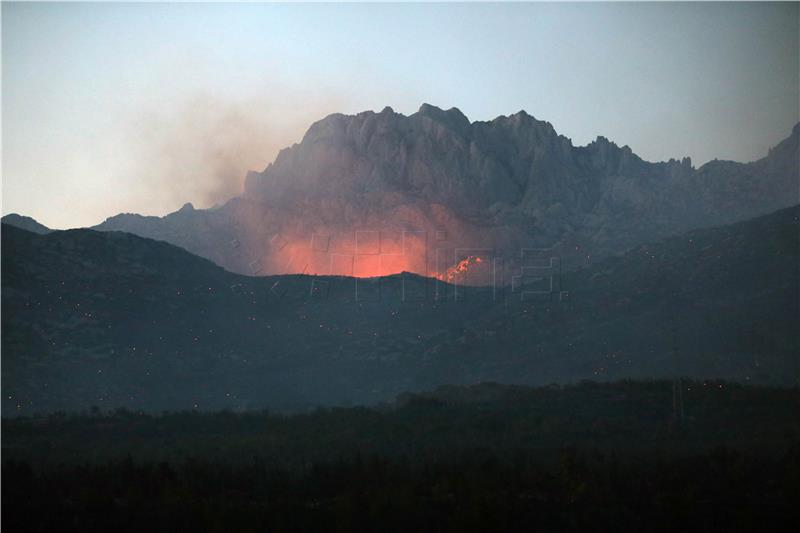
[{"x": 112, "y": 108}]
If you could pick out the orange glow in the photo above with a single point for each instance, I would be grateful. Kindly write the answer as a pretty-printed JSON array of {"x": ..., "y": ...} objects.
[
  {"x": 340, "y": 255},
  {"x": 459, "y": 271}
]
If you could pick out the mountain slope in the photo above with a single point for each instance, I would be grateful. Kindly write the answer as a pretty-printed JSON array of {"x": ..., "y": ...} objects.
[
  {"x": 111, "y": 319},
  {"x": 26, "y": 223},
  {"x": 433, "y": 179}
]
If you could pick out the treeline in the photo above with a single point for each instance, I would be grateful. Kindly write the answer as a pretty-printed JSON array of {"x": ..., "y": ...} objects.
[
  {"x": 586, "y": 457},
  {"x": 718, "y": 490},
  {"x": 626, "y": 416}
]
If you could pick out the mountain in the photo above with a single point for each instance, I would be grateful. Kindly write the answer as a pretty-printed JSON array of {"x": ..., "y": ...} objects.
[
  {"x": 26, "y": 223},
  {"x": 395, "y": 186},
  {"x": 112, "y": 319}
]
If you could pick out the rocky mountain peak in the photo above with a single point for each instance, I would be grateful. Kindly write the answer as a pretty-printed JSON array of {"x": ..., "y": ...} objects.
[
  {"x": 453, "y": 118},
  {"x": 505, "y": 184}
]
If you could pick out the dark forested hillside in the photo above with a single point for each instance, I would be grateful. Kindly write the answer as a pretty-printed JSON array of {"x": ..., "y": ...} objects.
[{"x": 110, "y": 319}]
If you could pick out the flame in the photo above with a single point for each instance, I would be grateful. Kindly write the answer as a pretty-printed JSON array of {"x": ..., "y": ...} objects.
[
  {"x": 322, "y": 250},
  {"x": 460, "y": 269}
]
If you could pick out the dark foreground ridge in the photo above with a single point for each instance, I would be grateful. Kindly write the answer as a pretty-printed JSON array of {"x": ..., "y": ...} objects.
[
  {"x": 114, "y": 320},
  {"x": 599, "y": 457}
]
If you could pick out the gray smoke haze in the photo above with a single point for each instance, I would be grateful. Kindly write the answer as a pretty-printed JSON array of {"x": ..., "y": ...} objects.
[{"x": 200, "y": 149}]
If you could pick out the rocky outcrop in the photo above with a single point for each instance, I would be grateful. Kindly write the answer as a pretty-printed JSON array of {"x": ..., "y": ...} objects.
[{"x": 430, "y": 184}]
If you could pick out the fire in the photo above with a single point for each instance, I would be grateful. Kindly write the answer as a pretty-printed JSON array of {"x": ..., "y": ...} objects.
[
  {"x": 340, "y": 255},
  {"x": 325, "y": 251},
  {"x": 460, "y": 269}
]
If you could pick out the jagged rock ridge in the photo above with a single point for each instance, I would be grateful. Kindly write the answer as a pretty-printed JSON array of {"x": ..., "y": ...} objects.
[{"x": 434, "y": 183}]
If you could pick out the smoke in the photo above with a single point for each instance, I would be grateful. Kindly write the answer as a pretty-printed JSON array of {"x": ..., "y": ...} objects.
[{"x": 198, "y": 148}]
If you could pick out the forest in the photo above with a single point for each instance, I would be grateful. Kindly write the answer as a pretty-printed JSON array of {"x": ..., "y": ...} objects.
[{"x": 589, "y": 456}]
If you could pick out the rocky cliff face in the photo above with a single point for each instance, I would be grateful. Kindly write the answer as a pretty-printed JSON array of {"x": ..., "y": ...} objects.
[{"x": 377, "y": 193}]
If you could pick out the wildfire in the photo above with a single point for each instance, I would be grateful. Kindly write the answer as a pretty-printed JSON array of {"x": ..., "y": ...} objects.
[
  {"x": 340, "y": 256},
  {"x": 352, "y": 254},
  {"x": 460, "y": 269}
]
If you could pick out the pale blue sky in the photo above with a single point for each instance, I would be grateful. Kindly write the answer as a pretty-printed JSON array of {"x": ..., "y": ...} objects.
[{"x": 142, "y": 107}]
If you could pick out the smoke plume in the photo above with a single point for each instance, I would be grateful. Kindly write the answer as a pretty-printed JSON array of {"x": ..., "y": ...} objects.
[{"x": 200, "y": 149}]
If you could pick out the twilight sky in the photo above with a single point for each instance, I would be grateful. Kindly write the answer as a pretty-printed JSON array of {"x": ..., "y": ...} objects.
[{"x": 110, "y": 108}]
